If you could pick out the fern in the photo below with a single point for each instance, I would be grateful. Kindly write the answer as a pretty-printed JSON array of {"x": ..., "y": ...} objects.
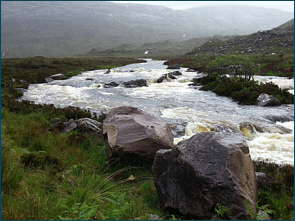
[
  {"x": 264, "y": 211},
  {"x": 84, "y": 212},
  {"x": 220, "y": 210}
]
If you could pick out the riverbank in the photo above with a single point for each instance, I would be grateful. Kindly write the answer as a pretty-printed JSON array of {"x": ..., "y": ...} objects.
[{"x": 75, "y": 186}]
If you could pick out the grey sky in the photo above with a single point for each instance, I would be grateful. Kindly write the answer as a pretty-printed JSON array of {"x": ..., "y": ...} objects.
[{"x": 282, "y": 5}]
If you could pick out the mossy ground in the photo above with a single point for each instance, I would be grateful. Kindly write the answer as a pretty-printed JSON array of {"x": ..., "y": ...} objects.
[{"x": 50, "y": 175}]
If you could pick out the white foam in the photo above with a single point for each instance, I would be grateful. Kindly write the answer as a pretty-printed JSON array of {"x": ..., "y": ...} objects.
[{"x": 282, "y": 82}]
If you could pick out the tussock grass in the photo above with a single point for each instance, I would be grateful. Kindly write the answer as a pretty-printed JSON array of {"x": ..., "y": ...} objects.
[{"x": 49, "y": 175}]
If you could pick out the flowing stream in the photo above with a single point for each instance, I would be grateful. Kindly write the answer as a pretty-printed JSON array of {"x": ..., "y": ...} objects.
[{"x": 269, "y": 131}]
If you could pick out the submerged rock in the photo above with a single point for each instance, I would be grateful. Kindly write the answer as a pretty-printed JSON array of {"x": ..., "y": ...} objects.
[
  {"x": 196, "y": 80},
  {"x": 111, "y": 85},
  {"x": 108, "y": 71},
  {"x": 175, "y": 73},
  {"x": 208, "y": 169},
  {"x": 162, "y": 78},
  {"x": 173, "y": 66},
  {"x": 135, "y": 83}
]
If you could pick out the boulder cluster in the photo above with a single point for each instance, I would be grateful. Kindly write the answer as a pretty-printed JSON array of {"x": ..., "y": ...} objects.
[{"x": 191, "y": 178}]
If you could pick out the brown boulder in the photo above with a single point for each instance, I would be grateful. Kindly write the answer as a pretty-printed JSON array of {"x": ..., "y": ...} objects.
[
  {"x": 133, "y": 135},
  {"x": 208, "y": 169}
]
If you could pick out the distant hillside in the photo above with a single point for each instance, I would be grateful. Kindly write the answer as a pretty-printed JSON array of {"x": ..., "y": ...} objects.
[
  {"x": 248, "y": 18},
  {"x": 56, "y": 28},
  {"x": 159, "y": 48},
  {"x": 277, "y": 40}
]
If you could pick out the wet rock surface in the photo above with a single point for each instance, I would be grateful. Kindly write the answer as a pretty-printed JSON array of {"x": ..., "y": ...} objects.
[
  {"x": 135, "y": 83},
  {"x": 134, "y": 135},
  {"x": 207, "y": 169},
  {"x": 265, "y": 100}
]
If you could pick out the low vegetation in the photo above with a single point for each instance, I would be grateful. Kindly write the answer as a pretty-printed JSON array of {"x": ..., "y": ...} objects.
[
  {"x": 50, "y": 175},
  {"x": 232, "y": 75},
  {"x": 279, "y": 195},
  {"x": 20, "y": 72},
  {"x": 243, "y": 90},
  {"x": 268, "y": 65}
]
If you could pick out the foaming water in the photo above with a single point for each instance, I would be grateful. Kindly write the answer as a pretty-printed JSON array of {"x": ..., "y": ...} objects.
[
  {"x": 274, "y": 147},
  {"x": 282, "y": 82},
  {"x": 186, "y": 108}
]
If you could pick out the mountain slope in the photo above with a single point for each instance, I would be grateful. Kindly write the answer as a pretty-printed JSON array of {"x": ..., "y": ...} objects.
[
  {"x": 156, "y": 49},
  {"x": 277, "y": 40},
  {"x": 55, "y": 28}
]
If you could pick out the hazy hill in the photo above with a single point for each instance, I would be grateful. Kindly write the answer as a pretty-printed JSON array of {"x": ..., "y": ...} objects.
[
  {"x": 247, "y": 18},
  {"x": 156, "y": 49},
  {"x": 56, "y": 28},
  {"x": 277, "y": 40}
]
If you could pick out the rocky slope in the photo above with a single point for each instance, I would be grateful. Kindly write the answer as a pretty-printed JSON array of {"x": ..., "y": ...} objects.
[{"x": 277, "y": 40}]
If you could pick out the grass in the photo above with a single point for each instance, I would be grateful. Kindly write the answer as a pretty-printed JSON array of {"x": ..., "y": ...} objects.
[
  {"x": 268, "y": 65},
  {"x": 50, "y": 175},
  {"x": 280, "y": 194}
]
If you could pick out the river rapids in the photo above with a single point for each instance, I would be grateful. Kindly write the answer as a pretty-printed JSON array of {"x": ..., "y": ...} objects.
[{"x": 269, "y": 131}]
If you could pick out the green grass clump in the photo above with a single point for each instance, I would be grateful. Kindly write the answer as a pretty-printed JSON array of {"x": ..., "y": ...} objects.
[
  {"x": 279, "y": 195},
  {"x": 51, "y": 175}
]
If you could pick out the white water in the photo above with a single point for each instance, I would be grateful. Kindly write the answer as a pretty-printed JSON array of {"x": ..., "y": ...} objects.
[{"x": 186, "y": 108}]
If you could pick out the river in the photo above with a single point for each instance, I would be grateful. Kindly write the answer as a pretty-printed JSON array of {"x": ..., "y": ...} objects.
[{"x": 269, "y": 131}]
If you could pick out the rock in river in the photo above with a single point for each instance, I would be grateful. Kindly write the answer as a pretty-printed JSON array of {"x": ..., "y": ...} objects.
[{"x": 265, "y": 100}]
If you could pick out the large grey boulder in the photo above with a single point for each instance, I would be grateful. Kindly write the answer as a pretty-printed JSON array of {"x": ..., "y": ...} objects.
[
  {"x": 134, "y": 135},
  {"x": 265, "y": 100},
  {"x": 207, "y": 169}
]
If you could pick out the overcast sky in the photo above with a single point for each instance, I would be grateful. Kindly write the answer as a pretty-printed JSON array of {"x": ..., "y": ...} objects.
[{"x": 282, "y": 5}]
